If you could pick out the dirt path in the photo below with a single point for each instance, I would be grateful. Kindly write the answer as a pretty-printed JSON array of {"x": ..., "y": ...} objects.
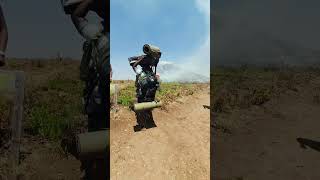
[
  {"x": 178, "y": 148},
  {"x": 263, "y": 140}
]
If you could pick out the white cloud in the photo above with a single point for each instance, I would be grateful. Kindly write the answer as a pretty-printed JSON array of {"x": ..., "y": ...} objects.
[
  {"x": 165, "y": 62},
  {"x": 199, "y": 60}
]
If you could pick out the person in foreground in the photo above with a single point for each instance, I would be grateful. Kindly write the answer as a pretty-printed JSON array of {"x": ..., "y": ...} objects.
[
  {"x": 147, "y": 83},
  {"x": 94, "y": 71}
]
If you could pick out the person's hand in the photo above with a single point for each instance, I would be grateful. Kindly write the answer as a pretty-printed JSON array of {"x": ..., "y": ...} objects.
[{"x": 2, "y": 60}]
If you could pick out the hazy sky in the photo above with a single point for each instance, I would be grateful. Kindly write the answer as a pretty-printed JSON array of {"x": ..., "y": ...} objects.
[
  {"x": 180, "y": 28},
  {"x": 39, "y": 28},
  {"x": 245, "y": 30}
]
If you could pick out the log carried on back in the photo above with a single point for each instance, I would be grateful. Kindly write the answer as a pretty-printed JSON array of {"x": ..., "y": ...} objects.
[{"x": 151, "y": 50}]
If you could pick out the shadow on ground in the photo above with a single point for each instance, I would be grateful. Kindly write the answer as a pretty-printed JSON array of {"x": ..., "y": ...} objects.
[
  {"x": 305, "y": 143},
  {"x": 144, "y": 120}
]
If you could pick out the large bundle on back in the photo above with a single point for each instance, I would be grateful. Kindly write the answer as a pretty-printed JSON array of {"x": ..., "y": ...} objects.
[
  {"x": 151, "y": 50},
  {"x": 152, "y": 56}
]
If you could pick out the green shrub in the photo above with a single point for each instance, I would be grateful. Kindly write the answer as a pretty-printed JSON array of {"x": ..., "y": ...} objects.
[
  {"x": 127, "y": 95},
  {"x": 47, "y": 124}
]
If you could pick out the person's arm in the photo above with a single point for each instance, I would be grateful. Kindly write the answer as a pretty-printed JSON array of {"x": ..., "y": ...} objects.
[
  {"x": 134, "y": 62},
  {"x": 79, "y": 13},
  {"x": 139, "y": 59},
  {"x": 82, "y": 9},
  {"x": 3, "y": 37}
]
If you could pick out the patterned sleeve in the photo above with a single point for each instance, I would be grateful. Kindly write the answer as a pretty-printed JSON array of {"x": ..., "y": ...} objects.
[{"x": 134, "y": 59}]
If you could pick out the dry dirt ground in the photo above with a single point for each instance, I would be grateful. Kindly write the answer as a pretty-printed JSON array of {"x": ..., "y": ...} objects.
[
  {"x": 263, "y": 140},
  {"x": 178, "y": 148},
  {"x": 41, "y": 160}
]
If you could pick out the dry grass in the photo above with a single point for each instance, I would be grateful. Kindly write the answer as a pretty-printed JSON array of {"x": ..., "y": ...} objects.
[
  {"x": 53, "y": 96},
  {"x": 244, "y": 87}
]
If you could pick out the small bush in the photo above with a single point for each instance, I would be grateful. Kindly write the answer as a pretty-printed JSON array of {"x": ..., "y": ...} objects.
[
  {"x": 127, "y": 95},
  {"x": 260, "y": 96}
]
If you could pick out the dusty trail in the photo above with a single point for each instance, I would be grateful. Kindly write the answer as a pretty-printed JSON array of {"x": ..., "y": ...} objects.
[
  {"x": 178, "y": 148},
  {"x": 263, "y": 142}
]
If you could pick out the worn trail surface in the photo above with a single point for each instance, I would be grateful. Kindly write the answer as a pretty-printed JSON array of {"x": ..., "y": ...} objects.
[
  {"x": 263, "y": 141},
  {"x": 178, "y": 148}
]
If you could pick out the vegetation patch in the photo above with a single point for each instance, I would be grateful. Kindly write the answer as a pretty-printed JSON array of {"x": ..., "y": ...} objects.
[
  {"x": 168, "y": 92},
  {"x": 246, "y": 86},
  {"x": 54, "y": 106}
]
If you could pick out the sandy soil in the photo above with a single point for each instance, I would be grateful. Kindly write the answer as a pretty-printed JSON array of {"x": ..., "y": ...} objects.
[
  {"x": 178, "y": 148},
  {"x": 263, "y": 141},
  {"x": 42, "y": 160}
]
